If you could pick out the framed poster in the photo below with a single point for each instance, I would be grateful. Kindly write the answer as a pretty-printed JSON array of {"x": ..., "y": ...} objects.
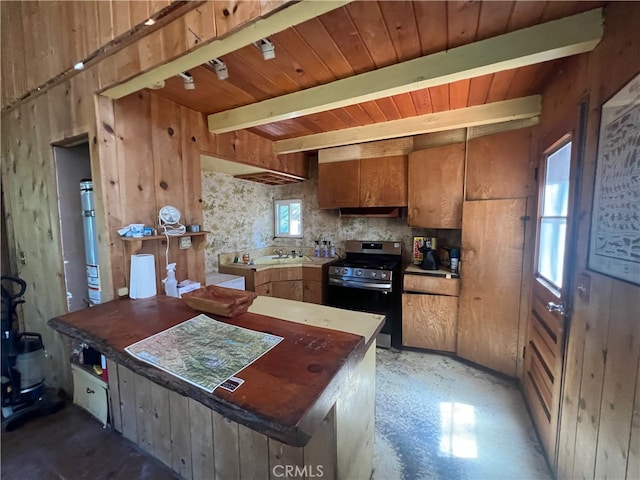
[{"x": 614, "y": 243}]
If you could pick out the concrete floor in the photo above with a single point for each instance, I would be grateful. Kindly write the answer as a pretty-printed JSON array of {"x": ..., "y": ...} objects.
[
  {"x": 439, "y": 418},
  {"x": 436, "y": 418}
]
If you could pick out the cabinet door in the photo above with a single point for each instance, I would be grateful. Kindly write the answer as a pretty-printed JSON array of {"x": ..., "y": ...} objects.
[
  {"x": 264, "y": 289},
  {"x": 287, "y": 289},
  {"x": 436, "y": 177},
  {"x": 506, "y": 153},
  {"x": 338, "y": 184},
  {"x": 312, "y": 292},
  {"x": 429, "y": 321},
  {"x": 491, "y": 277},
  {"x": 383, "y": 182}
]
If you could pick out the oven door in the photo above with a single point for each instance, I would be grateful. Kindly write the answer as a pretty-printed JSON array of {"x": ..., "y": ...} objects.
[{"x": 364, "y": 300}]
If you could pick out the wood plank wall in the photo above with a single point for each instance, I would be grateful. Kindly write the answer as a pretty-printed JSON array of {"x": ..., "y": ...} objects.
[
  {"x": 71, "y": 109},
  {"x": 153, "y": 160},
  {"x": 600, "y": 418},
  {"x": 43, "y": 39}
]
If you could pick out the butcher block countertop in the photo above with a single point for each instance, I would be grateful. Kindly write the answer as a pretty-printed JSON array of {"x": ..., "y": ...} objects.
[{"x": 287, "y": 392}]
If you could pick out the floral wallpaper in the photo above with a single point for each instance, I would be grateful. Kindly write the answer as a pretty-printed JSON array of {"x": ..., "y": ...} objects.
[{"x": 239, "y": 214}]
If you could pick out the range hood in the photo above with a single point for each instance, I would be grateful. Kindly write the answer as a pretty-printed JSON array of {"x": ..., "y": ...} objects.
[{"x": 384, "y": 212}]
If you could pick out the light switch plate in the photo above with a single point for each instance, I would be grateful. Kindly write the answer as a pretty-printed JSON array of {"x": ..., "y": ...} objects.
[{"x": 185, "y": 242}]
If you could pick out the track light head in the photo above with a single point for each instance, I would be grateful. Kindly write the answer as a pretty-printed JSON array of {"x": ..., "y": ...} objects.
[
  {"x": 220, "y": 68},
  {"x": 267, "y": 48},
  {"x": 189, "y": 82}
]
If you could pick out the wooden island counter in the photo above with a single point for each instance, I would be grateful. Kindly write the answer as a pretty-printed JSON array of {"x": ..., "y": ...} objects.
[{"x": 306, "y": 409}]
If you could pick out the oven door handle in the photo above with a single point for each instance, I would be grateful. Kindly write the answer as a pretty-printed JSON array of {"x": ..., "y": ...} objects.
[{"x": 384, "y": 287}]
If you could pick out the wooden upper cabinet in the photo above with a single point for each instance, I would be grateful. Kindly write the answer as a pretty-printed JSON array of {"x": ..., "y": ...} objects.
[
  {"x": 339, "y": 184},
  {"x": 370, "y": 182},
  {"x": 500, "y": 166},
  {"x": 383, "y": 182},
  {"x": 436, "y": 177}
]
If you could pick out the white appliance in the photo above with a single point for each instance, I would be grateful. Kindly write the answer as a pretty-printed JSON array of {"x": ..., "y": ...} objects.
[{"x": 225, "y": 280}]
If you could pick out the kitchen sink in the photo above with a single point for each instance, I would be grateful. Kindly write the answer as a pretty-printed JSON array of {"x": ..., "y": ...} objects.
[{"x": 271, "y": 260}]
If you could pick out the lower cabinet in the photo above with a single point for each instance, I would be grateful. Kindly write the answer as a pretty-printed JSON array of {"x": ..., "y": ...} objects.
[
  {"x": 90, "y": 393},
  {"x": 430, "y": 312},
  {"x": 312, "y": 285},
  {"x": 288, "y": 289},
  {"x": 429, "y": 321},
  {"x": 280, "y": 283},
  {"x": 301, "y": 283}
]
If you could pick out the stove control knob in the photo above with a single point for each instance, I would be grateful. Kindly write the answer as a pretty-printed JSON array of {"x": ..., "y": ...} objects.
[
  {"x": 359, "y": 273},
  {"x": 374, "y": 274},
  {"x": 383, "y": 275},
  {"x": 345, "y": 271}
]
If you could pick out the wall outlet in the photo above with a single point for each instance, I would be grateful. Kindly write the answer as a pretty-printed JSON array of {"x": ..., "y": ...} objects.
[{"x": 185, "y": 242}]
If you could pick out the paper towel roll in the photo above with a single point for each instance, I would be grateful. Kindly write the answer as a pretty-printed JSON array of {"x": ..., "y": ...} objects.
[{"x": 142, "y": 278}]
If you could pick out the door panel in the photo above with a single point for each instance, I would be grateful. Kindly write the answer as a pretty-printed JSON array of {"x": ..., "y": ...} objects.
[
  {"x": 491, "y": 278},
  {"x": 544, "y": 347}
]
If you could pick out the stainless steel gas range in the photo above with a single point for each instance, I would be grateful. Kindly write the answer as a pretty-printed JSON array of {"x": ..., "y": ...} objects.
[{"x": 368, "y": 279}]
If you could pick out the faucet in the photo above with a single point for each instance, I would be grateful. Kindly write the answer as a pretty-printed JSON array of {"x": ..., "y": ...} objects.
[{"x": 280, "y": 253}]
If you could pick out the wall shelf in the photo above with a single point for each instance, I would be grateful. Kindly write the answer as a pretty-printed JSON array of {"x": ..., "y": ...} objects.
[{"x": 134, "y": 244}]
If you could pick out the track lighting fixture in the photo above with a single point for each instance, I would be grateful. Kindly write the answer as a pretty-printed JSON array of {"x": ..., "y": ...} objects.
[
  {"x": 267, "y": 48},
  {"x": 220, "y": 68},
  {"x": 189, "y": 82}
]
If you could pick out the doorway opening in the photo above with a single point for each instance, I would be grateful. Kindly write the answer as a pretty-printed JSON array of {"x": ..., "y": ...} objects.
[{"x": 73, "y": 164}]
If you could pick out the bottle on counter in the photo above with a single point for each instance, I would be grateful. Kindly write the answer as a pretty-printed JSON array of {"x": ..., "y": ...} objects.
[
  {"x": 332, "y": 250},
  {"x": 317, "y": 251},
  {"x": 454, "y": 256},
  {"x": 326, "y": 249}
]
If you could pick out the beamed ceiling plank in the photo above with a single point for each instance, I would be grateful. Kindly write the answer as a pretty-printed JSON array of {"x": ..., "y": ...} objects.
[
  {"x": 556, "y": 39},
  {"x": 504, "y": 111},
  {"x": 281, "y": 20}
]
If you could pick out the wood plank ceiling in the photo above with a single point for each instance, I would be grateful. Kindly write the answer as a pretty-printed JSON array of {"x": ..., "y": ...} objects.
[{"x": 364, "y": 36}]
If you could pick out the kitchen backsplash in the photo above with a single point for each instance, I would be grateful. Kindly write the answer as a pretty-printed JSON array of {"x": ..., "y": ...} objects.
[{"x": 239, "y": 215}]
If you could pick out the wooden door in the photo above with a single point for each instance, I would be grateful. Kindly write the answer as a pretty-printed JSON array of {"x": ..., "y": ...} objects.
[
  {"x": 339, "y": 184},
  {"x": 383, "y": 182},
  {"x": 435, "y": 186},
  {"x": 491, "y": 278},
  {"x": 544, "y": 350},
  {"x": 429, "y": 321}
]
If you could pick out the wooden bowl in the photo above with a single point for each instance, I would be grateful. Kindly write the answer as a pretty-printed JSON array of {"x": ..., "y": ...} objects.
[{"x": 226, "y": 302}]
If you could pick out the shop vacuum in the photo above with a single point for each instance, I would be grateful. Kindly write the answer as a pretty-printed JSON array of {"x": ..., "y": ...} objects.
[{"x": 23, "y": 391}]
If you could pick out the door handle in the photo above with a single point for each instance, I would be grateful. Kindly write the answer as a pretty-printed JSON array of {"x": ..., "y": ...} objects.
[{"x": 556, "y": 307}]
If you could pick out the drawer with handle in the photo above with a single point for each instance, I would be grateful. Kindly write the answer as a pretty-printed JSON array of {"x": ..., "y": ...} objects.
[
  {"x": 90, "y": 393},
  {"x": 432, "y": 284}
]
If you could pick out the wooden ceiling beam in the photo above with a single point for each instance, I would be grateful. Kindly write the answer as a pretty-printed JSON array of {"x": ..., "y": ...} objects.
[
  {"x": 519, "y": 108},
  {"x": 292, "y": 15},
  {"x": 540, "y": 43}
]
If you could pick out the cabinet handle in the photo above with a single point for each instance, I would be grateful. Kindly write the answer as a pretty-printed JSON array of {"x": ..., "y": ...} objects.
[{"x": 90, "y": 391}]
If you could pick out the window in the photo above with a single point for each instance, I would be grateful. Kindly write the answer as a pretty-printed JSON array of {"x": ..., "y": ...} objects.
[
  {"x": 553, "y": 215},
  {"x": 288, "y": 218}
]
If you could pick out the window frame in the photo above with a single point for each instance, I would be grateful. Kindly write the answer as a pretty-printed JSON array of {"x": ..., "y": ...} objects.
[
  {"x": 276, "y": 217},
  {"x": 553, "y": 149}
]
